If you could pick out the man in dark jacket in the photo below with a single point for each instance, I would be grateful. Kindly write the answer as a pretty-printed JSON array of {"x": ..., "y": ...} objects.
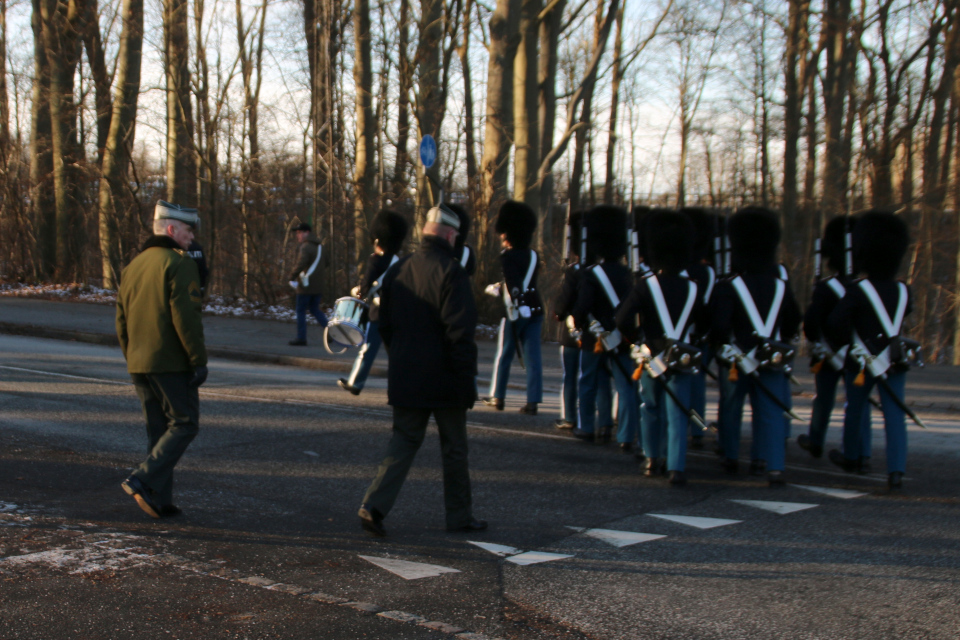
[
  {"x": 427, "y": 321},
  {"x": 305, "y": 279},
  {"x": 161, "y": 335}
]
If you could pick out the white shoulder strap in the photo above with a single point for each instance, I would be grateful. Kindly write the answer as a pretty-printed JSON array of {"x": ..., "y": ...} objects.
[
  {"x": 891, "y": 328},
  {"x": 711, "y": 280},
  {"x": 837, "y": 287},
  {"x": 465, "y": 257},
  {"x": 671, "y": 331},
  {"x": 316, "y": 261},
  {"x": 783, "y": 273},
  {"x": 763, "y": 328},
  {"x": 530, "y": 270},
  {"x": 607, "y": 287}
]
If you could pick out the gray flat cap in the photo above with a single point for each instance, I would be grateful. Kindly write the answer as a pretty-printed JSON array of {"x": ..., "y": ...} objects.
[
  {"x": 168, "y": 211},
  {"x": 444, "y": 215}
]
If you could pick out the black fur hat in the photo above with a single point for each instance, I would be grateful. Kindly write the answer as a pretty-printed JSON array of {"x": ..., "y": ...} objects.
[
  {"x": 389, "y": 230},
  {"x": 832, "y": 245},
  {"x": 639, "y": 216},
  {"x": 574, "y": 222},
  {"x": 518, "y": 221},
  {"x": 464, "y": 231},
  {"x": 880, "y": 240},
  {"x": 670, "y": 239},
  {"x": 704, "y": 230},
  {"x": 606, "y": 232},
  {"x": 754, "y": 235}
]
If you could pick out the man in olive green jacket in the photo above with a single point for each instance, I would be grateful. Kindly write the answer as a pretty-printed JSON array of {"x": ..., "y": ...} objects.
[{"x": 160, "y": 329}]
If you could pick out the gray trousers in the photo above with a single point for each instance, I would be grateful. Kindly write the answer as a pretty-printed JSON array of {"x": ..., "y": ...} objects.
[
  {"x": 171, "y": 408},
  {"x": 409, "y": 429}
]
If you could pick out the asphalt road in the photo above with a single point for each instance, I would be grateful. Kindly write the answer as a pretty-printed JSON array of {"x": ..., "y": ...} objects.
[{"x": 269, "y": 545}]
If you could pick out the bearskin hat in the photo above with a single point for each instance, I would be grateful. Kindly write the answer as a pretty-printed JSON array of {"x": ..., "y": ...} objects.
[
  {"x": 606, "y": 232},
  {"x": 518, "y": 221},
  {"x": 638, "y": 217},
  {"x": 754, "y": 235},
  {"x": 880, "y": 240},
  {"x": 389, "y": 230},
  {"x": 670, "y": 239},
  {"x": 574, "y": 222},
  {"x": 832, "y": 247},
  {"x": 704, "y": 226},
  {"x": 464, "y": 231}
]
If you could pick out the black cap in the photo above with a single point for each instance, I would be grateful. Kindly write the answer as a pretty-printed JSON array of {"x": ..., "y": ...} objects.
[{"x": 303, "y": 226}]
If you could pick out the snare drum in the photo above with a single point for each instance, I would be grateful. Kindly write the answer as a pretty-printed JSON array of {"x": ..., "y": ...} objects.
[{"x": 348, "y": 326}]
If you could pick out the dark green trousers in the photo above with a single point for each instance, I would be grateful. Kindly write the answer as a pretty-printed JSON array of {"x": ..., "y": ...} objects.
[
  {"x": 409, "y": 429},
  {"x": 171, "y": 408}
]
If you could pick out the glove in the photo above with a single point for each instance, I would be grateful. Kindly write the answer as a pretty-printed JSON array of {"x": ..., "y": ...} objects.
[
  {"x": 493, "y": 289},
  {"x": 293, "y": 284},
  {"x": 355, "y": 292},
  {"x": 199, "y": 376}
]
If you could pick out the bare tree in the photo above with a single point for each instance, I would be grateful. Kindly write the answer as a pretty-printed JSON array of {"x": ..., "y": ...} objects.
[{"x": 364, "y": 195}]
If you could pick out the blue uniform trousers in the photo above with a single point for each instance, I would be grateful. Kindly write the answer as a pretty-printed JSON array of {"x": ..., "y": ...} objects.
[
  {"x": 570, "y": 361},
  {"x": 309, "y": 303},
  {"x": 857, "y": 430},
  {"x": 663, "y": 421},
  {"x": 527, "y": 331},
  {"x": 592, "y": 372},
  {"x": 368, "y": 353},
  {"x": 769, "y": 432}
]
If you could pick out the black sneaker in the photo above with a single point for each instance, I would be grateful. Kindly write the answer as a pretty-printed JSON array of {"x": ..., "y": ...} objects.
[
  {"x": 580, "y": 434},
  {"x": 371, "y": 521},
  {"x": 529, "y": 409},
  {"x": 804, "y": 442},
  {"x": 471, "y": 527},
  {"x": 142, "y": 494},
  {"x": 343, "y": 384},
  {"x": 496, "y": 403},
  {"x": 678, "y": 478}
]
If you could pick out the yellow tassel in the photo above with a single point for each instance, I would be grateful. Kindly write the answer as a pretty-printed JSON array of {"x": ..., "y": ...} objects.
[
  {"x": 598, "y": 346},
  {"x": 734, "y": 375},
  {"x": 860, "y": 380},
  {"x": 637, "y": 373},
  {"x": 816, "y": 366},
  {"x": 579, "y": 344}
]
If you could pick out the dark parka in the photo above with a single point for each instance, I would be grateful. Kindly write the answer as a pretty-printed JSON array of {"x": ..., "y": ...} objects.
[
  {"x": 308, "y": 253},
  {"x": 159, "y": 321},
  {"x": 427, "y": 320}
]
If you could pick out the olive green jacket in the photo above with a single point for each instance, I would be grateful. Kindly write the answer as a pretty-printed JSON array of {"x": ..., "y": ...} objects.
[
  {"x": 159, "y": 310},
  {"x": 307, "y": 259}
]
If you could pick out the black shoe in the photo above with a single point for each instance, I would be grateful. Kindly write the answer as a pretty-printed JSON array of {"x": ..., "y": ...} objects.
[
  {"x": 651, "y": 467},
  {"x": 731, "y": 466},
  {"x": 758, "y": 467},
  {"x": 564, "y": 424},
  {"x": 626, "y": 447},
  {"x": 142, "y": 494},
  {"x": 863, "y": 466},
  {"x": 580, "y": 434},
  {"x": 529, "y": 409},
  {"x": 775, "y": 479},
  {"x": 696, "y": 442},
  {"x": 169, "y": 510},
  {"x": 371, "y": 521},
  {"x": 803, "y": 441},
  {"x": 473, "y": 525},
  {"x": 343, "y": 384},
  {"x": 605, "y": 436},
  {"x": 297, "y": 343},
  {"x": 836, "y": 457},
  {"x": 496, "y": 403},
  {"x": 895, "y": 480},
  {"x": 678, "y": 478}
]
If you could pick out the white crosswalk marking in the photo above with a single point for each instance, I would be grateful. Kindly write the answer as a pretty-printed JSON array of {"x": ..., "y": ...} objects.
[
  {"x": 845, "y": 494},
  {"x": 696, "y": 521},
  {"x": 536, "y": 557},
  {"x": 409, "y": 570},
  {"x": 781, "y": 508},
  {"x": 618, "y": 538},
  {"x": 497, "y": 549}
]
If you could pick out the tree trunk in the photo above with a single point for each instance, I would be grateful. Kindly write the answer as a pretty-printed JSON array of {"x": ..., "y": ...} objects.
[
  {"x": 586, "y": 114},
  {"x": 93, "y": 43},
  {"x": 405, "y": 81},
  {"x": 525, "y": 107},
  {"x": 430, "y": 102},
  {"x": 41, "y": 158},
  {"x": 181, "y": 159},
  {"x": 550, "y": 25},
  {"x": 797, "y": 42},
  {"x": 835, "y": 92},
  {"x": 114, "y": 190},
  {"x": 364, "y": 194},
  {"x": 473, "y": 177},
  {"x": 608, "y": 186}
]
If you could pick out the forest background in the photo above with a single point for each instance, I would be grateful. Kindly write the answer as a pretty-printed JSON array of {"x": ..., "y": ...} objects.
[{"x": 266, "y": 113}]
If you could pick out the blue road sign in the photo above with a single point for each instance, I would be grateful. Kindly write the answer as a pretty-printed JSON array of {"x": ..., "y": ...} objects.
[{"x": 428, "y": 151}]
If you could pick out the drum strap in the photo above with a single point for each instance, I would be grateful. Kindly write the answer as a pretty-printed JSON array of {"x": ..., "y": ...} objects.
[
  {"x": 763, "y": 328},
  {"x": 671, "y": 331},
  {"x": 533, "y": 266},
  {"x": 305, "y": 275},
  {"x": 783, "y": 273}
]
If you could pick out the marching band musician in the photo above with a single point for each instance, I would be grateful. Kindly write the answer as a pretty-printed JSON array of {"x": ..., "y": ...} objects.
[
  {"x": 752, "y": 312},
  {"x": 869, "y": 318},
  {"x": 389, "y": 231},
  {"x": 520, "y": 329},
  {"x": 700, "y": 271},
  {"x": 826, "y": 365},
  {"x": 603, "y": 285},
  {"x": 668, "y": 306}
]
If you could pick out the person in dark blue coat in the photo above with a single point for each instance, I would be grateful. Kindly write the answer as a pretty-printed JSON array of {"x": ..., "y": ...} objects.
[{"x": 870, "y": 318}]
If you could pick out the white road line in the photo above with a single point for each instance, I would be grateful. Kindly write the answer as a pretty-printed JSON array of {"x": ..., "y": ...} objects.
[
  {"x": 696, "y": 521},
  {"x": 781, "y": 508}
]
